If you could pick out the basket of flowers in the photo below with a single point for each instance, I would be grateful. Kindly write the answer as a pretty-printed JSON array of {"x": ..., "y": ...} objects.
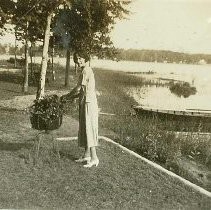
[{"x": 46, "y": 113}]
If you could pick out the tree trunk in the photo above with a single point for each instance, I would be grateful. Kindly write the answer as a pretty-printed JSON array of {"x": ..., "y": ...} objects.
[
  {"x": 15, "y": 64},
  {"x": 52, "y": 65},
  {"x": 67, "y": 71},
  {"x": 26, "y": 70},
  {"x": 31, "y": 58},
  {"x": 44, "y": 63}
]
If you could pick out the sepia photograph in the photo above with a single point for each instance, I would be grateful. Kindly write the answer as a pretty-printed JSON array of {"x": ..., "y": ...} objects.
[{"x": 105, "y": 104}]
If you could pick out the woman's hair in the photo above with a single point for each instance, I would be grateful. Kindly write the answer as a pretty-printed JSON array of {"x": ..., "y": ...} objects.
[
  {"x": 75, "y": 58},
  {"x": 82, "y": 55}
]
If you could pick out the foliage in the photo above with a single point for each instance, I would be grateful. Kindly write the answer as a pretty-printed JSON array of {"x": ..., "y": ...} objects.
[
  {"x": 2, "y": 49},
  {"x": 145, "y": 138},
  {"x": 30, "y": 18},
  {"x": 86, "y": 26},
  {"x": 182, "y": 89},
  {"x": 6, "y": 13},
  {"x": 49, "y": 107},
  {"x": 196, "y": 147}
]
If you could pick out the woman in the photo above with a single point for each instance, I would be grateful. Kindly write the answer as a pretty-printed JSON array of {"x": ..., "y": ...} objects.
[{"x": 88, "y": 111}]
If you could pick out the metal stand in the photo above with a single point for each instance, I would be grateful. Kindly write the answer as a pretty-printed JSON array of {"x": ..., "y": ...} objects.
[{"x": 39, "y": 140}]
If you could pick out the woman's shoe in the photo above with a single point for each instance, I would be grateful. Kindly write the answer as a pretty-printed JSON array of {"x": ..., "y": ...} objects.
[
  {"x": 83, "y": 159},
  {"x": 92, "y": 163}
]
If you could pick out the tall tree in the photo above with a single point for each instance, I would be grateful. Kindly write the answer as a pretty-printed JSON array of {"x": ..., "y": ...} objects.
[
  {"x": 38, "y": 15},
  {"x": 24, "y": 15},
  {"x": 49, "y": 6},
  {"x": 26, "y": 69},
  {"x": 11, "y": 14},
  {"x": 63, "y": 38},
  {"x": 44, "y": 63},
  {"x": 87, "y": 24}
]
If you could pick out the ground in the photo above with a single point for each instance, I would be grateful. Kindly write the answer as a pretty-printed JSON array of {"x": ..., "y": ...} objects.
[{"x": 121, "y": 181}]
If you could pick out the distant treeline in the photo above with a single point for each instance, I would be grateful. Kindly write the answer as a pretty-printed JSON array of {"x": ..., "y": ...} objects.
[{"x": 162, "y": 56}]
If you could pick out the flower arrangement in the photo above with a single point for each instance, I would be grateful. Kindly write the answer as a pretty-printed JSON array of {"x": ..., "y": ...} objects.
[{"x": 46, "y": 113}]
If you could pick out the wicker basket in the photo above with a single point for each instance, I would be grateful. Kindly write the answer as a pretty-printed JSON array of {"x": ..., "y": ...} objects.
[{"x": 39, "y": 123}]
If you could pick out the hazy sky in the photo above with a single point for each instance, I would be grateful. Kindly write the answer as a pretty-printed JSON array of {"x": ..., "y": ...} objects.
[{"x": 178, "y": 25}]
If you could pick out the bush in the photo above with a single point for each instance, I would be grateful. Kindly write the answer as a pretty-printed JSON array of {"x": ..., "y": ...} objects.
[
  {"x": 148, "y": 140},
  {"x": 196, "y": 147},
  {"x": 182, "y": 89},
  {"x": 20, "y": 61}
]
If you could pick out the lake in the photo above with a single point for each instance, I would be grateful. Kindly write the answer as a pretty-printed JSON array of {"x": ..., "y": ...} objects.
[{"x": 161, "y": 97}]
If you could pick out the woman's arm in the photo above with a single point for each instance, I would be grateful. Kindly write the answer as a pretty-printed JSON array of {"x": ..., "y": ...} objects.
[{"x": 74, "y": 93}]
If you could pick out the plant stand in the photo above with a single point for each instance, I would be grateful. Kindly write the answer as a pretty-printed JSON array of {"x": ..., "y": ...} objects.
[
  {"x": 39, "y": 141},
  {"x": 45, "y": 123}
]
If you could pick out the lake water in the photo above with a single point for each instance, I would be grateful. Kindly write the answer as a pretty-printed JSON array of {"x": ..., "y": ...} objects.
[{"x": 161, "y": 97}]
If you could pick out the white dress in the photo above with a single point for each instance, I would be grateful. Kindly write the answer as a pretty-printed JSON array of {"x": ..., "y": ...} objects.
[{"x": 88, "y": 110}]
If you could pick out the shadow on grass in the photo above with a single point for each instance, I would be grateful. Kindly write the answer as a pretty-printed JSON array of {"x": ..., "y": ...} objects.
[
  {"x": 67, "y": 155},
  {"x": 8, "y": 146},
  {"x": 11, "y": 77},
  {"x": 12, "y": 91}
]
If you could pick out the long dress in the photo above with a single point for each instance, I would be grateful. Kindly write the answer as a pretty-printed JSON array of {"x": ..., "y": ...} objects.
[{"x": 88, "y": 110}]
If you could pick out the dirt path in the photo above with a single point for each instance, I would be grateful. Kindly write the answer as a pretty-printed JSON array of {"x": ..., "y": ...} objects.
[{"x": 23, "y": 102}]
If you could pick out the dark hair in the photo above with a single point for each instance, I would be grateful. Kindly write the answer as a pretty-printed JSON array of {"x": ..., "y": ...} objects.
[
  {"x": 75, "y": 58},
  {"x": 82, "y": 55}
]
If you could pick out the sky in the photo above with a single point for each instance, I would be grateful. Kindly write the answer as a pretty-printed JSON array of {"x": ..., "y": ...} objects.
[{"x": 177, "y": 25}]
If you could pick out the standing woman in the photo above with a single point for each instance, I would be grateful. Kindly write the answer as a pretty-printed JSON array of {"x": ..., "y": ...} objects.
[{"x": 88, "y": 111}]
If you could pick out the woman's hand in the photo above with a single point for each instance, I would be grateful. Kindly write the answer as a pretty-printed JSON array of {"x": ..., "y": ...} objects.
[
  {"x": 66, "y": 98},
  {"x": 72, "y": 95}
]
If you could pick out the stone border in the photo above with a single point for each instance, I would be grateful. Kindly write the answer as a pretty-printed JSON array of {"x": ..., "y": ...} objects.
[{"x": 194, "y": 186}]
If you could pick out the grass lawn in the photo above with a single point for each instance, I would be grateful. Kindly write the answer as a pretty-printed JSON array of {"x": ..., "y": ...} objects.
[{"x": 121, "y": 181}]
